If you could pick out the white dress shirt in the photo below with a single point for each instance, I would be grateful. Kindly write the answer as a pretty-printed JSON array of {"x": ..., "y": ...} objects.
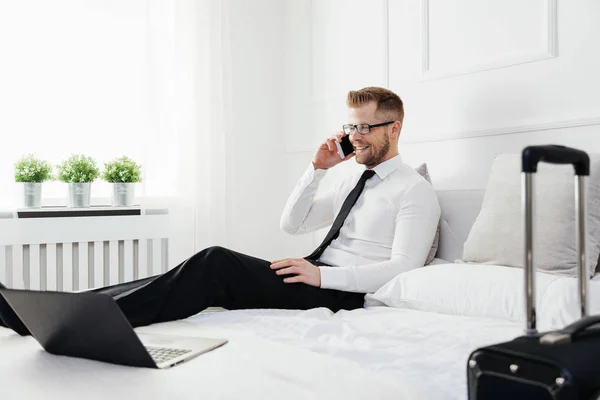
[{"x": 389, "y": 230}]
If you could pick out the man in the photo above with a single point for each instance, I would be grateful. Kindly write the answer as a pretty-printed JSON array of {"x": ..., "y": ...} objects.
[{"x": 384, "y": 223}]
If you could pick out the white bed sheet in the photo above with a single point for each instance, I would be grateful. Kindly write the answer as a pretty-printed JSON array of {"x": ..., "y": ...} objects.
[
  {"x": 378, "y": 353},
  {"x": 430, "y": 350},
  {"x": 249, "y": 367}
]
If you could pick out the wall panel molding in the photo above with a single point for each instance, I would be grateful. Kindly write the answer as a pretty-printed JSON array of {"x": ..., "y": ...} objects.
[
  {"x": 571, "y": 123},
  {"x": 550, "y": 50},
  {"x": 386, "y": 41}
]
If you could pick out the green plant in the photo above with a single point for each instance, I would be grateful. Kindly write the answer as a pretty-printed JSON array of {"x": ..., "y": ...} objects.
[
  {"x": 122, "y": 169},
  {"x": 78, "y": 169},
  {"x": 31, "y": 169}
]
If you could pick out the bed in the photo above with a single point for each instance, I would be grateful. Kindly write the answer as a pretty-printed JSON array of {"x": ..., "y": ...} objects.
[
  {"x": 413, "y": 346},
  {"x": 378, "y": 352}
]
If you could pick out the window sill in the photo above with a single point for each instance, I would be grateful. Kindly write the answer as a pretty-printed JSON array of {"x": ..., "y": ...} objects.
[{"x": 92, "y": 211}]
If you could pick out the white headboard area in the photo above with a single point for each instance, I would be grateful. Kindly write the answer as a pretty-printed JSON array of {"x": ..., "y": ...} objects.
[{"x": 459, "y": 211}]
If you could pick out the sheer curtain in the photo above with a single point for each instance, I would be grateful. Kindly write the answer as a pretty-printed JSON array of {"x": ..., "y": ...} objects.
[
  {"x": 143, "y": 78},
  {"x": 203, "y": 116}
]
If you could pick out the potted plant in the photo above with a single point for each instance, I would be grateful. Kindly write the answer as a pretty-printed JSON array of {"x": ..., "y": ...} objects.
[
  {"x": 31, "y": 172},
  {"x": 78, "y": 172},
  {"x": 123, "y": 173}
]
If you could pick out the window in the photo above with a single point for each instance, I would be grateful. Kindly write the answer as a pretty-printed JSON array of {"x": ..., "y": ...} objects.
[{"x": 92, "y": 77}]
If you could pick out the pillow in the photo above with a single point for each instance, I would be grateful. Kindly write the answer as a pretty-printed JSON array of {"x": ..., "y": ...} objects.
[
  {"x": 497, "y": 235},
  {"x": 560, "y": 305},
  {"x": 485, "y": 291},
  {"x": 422, "y": 170},
  {"x": 462, "y": 289}
]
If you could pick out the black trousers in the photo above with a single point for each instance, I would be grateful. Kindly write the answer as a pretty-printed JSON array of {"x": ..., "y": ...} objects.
[{"x": 220, "y": 277}]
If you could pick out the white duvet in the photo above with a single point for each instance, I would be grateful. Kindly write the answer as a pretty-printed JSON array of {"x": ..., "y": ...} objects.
[
  {"x": 429, "y": 350},
  {"x": 375, "y": 353}
]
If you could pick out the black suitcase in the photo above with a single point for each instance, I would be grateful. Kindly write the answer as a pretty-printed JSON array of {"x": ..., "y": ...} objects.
[{"x": 562, "y": 364}]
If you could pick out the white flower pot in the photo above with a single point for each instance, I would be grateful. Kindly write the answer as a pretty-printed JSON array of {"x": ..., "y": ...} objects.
[
  {"x": 79, "y": 195},
  {"x": 123, "y": 194},
  {"x": 32, "y": 194}
]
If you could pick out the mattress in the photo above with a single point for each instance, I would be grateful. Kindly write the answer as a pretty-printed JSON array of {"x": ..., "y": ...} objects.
[{"x": 377, "y": 352}]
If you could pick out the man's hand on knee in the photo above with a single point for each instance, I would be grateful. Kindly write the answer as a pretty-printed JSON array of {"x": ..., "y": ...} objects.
[{"x": 305, "y": 272}]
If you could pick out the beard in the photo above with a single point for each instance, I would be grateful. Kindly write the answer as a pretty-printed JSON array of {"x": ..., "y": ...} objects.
[{"x": 375, "y": 153}]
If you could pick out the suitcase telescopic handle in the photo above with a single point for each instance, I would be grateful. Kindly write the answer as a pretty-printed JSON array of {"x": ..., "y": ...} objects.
[
  {"x": 569, "y": 333},
  {"x": 555, "y": 154}
]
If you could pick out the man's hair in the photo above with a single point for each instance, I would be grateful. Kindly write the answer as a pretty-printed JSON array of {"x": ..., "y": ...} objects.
[{"x": 387, "y": 101}]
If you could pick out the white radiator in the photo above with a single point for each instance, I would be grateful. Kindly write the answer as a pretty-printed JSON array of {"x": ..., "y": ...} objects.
[{"x": 70, "y": 253}]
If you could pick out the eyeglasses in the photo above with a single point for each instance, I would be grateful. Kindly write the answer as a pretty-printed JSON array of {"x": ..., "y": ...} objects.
[{"x": 363, "y": 129}]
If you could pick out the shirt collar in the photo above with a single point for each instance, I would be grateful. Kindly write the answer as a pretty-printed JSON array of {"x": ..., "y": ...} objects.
[{"x": 387, "y": 167}]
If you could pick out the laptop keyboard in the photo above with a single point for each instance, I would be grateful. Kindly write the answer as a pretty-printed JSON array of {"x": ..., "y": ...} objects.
[{"x": 162, "y": 354}]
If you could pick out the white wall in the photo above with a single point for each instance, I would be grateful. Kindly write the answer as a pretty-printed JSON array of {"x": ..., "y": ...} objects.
[
  {"x": 257, "y": 184},
  {"x": 483, "y": 77},
  {"x": 478, "y": 77},
  {"x": 465, "y": 68}
]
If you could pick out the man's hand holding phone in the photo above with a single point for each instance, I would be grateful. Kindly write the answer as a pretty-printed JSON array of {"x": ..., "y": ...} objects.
[{"x": 333, "y": 151}]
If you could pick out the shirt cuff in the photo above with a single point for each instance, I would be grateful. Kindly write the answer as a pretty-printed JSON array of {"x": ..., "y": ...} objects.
[
  {"x": 312, "y": 174},
  {"x": 311, "y": 178},
  {"x": 334, "y": 278}
]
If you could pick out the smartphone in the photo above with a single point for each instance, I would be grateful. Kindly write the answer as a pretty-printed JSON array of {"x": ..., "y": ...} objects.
[{"x": 344, "y": 147}]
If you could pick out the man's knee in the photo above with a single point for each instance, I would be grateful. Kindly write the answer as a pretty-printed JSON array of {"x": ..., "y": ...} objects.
[
  {"x": 215, "y": 252},
  {"x": 211, "y": 256}
]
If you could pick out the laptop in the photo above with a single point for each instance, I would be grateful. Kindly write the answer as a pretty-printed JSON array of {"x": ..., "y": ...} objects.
[{"x": 91, "y": 325}]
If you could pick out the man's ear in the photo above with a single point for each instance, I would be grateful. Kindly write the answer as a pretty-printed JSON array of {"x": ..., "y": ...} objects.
[{"x": 396, "y": 126}]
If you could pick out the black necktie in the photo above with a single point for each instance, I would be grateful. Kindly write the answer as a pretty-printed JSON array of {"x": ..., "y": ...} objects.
[{"x": 344, "y": 211}]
